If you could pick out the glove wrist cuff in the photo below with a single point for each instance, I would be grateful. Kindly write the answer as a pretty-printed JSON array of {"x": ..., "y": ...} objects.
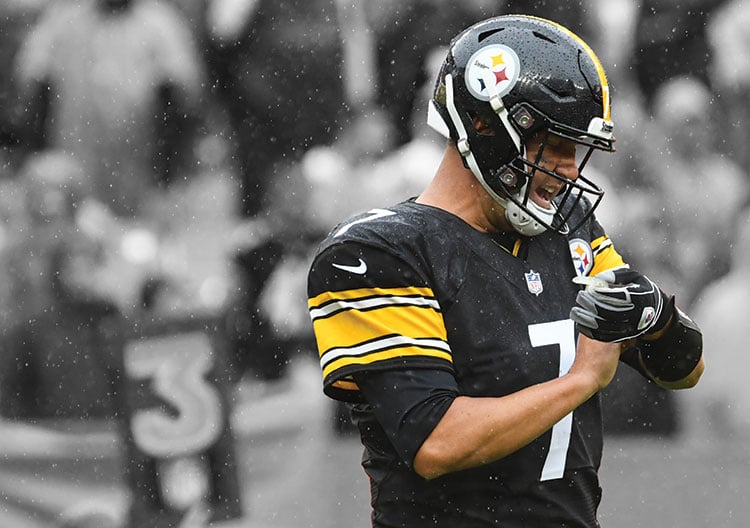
[
  {"x": 667, "y": 313},
  {"x": 675, "y": 354}
]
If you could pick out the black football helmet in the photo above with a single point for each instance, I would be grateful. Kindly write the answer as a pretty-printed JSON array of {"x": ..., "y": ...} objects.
[{"x": 523, "y": 76}]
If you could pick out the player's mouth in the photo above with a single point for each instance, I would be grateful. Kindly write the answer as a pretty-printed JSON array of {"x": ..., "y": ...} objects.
[{"x": 544, "y": 194}]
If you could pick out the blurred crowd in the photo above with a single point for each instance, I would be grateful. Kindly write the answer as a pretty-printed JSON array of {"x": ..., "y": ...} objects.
[{"x": 166, "y": 158}]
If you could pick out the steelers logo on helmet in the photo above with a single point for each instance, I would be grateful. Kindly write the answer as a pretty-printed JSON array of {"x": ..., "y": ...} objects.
[{"x": 492, "y": 69}]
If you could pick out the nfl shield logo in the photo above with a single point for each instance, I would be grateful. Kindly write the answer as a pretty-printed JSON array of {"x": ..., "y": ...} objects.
[{"x": 534, "y": 282}]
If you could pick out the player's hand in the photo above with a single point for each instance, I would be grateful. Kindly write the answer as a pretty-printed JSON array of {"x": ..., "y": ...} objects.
[
  {"x": 596, "y": 360},
  {"x": 618, "y": 305}
]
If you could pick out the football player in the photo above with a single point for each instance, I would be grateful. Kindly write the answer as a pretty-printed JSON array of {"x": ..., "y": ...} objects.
[{"x": 472, "y": 327}]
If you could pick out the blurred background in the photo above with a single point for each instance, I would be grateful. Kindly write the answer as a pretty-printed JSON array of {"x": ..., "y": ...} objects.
[{"x": 167, "y": 168}]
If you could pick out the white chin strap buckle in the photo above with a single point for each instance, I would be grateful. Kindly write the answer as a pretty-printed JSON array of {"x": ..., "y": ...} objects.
[{"x": 526, "y": 224}]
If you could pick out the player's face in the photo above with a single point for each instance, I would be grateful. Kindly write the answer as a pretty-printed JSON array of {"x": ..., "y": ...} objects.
[{"x": 558, "y": 155}]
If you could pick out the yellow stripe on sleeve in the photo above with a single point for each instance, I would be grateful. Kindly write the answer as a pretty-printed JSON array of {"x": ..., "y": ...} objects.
[
  {"x": 360, "y": 293},
  {"x": 369, "y": 325},
  {"x": 352, "y": 327},
  {"x": 605, "y": 255},
  {"x": 384, "y": 356}
]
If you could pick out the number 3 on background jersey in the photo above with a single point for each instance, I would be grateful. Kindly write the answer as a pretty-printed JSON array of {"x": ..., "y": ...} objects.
[
  {"x": 176, "y": 367},
  {"x": 560, "y": 333}
]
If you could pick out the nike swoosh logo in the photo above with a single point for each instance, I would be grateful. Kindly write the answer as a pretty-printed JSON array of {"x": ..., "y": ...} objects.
[{"x": 359, "y": 269}]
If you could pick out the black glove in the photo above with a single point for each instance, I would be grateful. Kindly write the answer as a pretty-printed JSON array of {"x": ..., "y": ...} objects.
[{"x": 620, "y": 304}]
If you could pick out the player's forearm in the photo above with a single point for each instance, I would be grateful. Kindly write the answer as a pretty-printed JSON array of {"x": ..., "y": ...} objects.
[{"x": 476, "y": 431}]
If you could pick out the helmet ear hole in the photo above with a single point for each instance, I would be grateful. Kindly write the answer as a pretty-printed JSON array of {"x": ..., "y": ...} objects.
[{"x": 482, "y": 126}]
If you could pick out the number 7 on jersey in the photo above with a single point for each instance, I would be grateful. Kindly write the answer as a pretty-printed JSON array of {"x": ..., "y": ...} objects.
[{"x": 560, "y": 333}]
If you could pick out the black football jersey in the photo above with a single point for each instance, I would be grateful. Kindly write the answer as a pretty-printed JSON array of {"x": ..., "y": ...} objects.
[{"x": 414, "y": 287}]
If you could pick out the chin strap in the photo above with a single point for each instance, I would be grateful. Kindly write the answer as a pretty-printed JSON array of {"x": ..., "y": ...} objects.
[{"x": 523, "y": 222}]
